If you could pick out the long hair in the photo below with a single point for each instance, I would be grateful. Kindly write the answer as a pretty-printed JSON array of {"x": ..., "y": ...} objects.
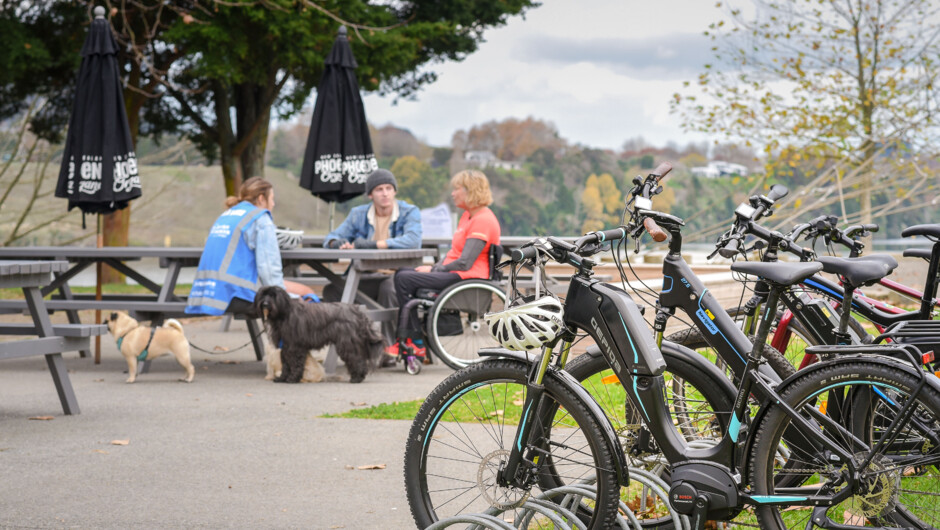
[
  {"x": 249, "y": 191},
  {"x": 477, "y": 186}
]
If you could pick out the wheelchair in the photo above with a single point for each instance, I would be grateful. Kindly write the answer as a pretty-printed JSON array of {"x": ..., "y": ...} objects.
[{"x": 452, "y": 319}]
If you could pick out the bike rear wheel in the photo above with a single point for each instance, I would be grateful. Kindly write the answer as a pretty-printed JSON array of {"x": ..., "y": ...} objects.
[
  {"x": 464, "y": 432},
  {"x": 899, "y": 488}
]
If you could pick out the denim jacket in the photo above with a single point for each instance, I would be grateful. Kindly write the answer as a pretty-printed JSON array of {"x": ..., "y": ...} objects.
[
  {"x": 262, "y": 238},
  {"x": 404, "y": 232}
]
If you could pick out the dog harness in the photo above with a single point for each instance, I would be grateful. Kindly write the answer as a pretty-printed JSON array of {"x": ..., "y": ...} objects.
[{"x": 143, "y": 354}]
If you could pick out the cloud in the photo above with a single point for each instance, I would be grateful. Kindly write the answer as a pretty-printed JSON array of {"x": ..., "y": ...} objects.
[{"x": 676, "y": 56}]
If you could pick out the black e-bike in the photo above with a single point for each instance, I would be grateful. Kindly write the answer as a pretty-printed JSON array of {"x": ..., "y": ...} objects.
[{"x": 499, "y": 432}]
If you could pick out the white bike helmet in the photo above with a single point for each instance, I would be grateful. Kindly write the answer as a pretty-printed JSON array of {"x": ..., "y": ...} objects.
[
  {"x": 527, "y": 326},
  {"x": 288, "y": 239}
]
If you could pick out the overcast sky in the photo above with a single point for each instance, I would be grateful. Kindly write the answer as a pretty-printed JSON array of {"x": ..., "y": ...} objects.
[{"x": 602, "y": 71}]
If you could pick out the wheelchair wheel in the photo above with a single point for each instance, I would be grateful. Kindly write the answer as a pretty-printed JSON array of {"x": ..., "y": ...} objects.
[{"x": 455, "y": 327}]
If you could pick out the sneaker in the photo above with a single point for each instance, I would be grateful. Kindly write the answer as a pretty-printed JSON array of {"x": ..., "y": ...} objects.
[
  {"x": 419, "y": 351},
  {"x": 392, "y": 350}
]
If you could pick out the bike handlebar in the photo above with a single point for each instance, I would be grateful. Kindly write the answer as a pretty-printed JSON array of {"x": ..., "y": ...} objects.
[{"x": 661, "y": 171}]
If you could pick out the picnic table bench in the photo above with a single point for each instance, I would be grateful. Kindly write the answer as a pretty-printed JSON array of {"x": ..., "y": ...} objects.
[
  {"x": 52, "y": 340},
  {"x": 162, "y": 303}
]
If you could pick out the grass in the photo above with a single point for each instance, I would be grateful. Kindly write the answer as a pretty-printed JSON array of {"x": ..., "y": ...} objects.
[
  {"x": 508, "y": 403},
  {"x": 108, "y": 288}
]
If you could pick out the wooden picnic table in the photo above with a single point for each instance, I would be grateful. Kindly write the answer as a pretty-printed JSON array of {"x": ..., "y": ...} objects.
[
  {"x": 162, "y": 303},
  {"x": 52, "y": 340}
]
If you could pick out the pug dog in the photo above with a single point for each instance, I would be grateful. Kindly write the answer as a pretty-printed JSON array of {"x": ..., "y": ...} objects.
[{"x": 139, "y": 343}]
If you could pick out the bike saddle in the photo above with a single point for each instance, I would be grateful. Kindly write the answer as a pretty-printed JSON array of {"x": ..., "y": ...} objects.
[
  {"x": 917, "y": 253},
  {"x": 778, "y": 272},
  {"x": 922, "y": 230},
  {"x": 880, "y": 258},
  {"x": 857, "y": 271}
]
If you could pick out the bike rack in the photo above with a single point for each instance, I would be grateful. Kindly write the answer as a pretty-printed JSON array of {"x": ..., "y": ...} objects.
[{"x": 561, "y": 514}]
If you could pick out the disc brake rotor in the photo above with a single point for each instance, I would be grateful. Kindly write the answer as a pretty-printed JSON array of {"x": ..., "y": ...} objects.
[
  {"x": 504, "y": 498},
  {"x": 882, "y": 480}
]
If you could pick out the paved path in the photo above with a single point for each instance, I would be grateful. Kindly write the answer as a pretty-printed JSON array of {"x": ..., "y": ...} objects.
[{"x": 229, "y": 450}]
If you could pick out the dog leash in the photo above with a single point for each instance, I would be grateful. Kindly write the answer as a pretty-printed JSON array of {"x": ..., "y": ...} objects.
[{"x": 245, "y": 345}]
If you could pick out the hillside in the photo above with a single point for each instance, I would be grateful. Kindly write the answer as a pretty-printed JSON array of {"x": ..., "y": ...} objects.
[{"x": 178, "y": 206}]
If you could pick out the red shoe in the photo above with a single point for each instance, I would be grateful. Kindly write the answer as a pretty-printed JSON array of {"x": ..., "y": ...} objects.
[
  {"x": 419, "y": 351},
  {"x": 395, "y": 349}
]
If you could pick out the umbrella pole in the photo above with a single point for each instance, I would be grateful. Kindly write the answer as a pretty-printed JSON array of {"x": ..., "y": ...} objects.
[
  {"x": 332, "y": 211},
  {"x": 100, "y": 243}
]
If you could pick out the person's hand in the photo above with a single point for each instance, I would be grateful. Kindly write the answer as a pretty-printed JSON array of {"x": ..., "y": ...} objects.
[
  {"x": 423, "y": 268},
  {"x": 346, "y": 245},
  {"x": 362, "y": 242}
]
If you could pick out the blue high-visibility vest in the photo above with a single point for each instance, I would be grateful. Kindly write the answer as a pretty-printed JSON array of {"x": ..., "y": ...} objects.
[{"x": 227, "y": 267}]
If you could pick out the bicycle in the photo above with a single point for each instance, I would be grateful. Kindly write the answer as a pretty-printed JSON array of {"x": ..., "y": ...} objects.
[
  {"x": 836, "y": 464},
  {"x": 808, "y": 318}
]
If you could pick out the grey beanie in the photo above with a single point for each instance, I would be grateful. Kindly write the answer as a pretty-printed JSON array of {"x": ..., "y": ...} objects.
[{"x": 379, "y": 177}]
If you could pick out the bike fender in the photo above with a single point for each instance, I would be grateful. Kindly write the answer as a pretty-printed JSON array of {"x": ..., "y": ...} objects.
[
  {"x": 671, "y": 349},
  {"x": 931, "y": 380},
  {"x": 570, "y": 383}
]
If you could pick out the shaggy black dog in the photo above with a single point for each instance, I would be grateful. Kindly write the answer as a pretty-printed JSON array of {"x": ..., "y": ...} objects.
[{"x": 298, "y": 327}]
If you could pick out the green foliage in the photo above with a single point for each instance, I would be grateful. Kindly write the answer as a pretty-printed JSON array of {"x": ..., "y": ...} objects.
[
  {"x": 419, "y": 183},
  {"x": 39, "y": 51}
]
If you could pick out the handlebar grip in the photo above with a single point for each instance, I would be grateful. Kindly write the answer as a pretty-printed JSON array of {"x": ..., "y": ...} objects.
[
  {"x": 611, "y": 235},
  {"x": 870, "y": 227},
  {"x": 522, "y": 254},
  {"x": 660, "y": 172},
  {"x": 658, "y": 234}
]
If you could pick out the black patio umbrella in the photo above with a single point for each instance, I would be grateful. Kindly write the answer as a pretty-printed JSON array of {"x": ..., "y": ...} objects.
[
  {"x": 99, "y": 167},
  {"x": 339, "y": 153}
]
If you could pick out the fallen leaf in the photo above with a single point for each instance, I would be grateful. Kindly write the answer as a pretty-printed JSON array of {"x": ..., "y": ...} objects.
[
  {"x": 353, "y": 403},
  {"x": 249, "y": 394},
  {"x": 99, "y": 380},
  {"x": 120, "y": 442},
  {"x": 231, "y": 362},
  {"x": 518, "y": 402},
  {"x": 43, "y": 418},
  {"x": 102, "y": 451},
  {"x": 496, "y": 413},
  {"x": 372, "y": 466},
  {"x": 205, "y": 367},
  {"x": 220, "y": 348},
  {"x": 350, "y": 467}
]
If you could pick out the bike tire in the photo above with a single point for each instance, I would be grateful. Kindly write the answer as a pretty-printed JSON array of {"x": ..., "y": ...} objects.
[
  {"x": 902, "y": 494},
  {"x": 702, "y": 410},
  {"x": 464, "y": 428}
]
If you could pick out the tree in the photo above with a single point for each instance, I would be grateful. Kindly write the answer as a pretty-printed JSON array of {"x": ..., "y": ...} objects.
[
  {"x": 251, "y": 57},
  {"x": 824, "y": 79},
  {"x": 510, "y": 139},
  {"x": 601, "y": 200},
  {"x": 418, "y": 183}
]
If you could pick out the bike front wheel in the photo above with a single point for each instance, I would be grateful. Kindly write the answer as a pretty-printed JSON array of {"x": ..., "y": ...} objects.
[
  {"x": 899, "y": 487},
  {"x": 463, "y": 435}
]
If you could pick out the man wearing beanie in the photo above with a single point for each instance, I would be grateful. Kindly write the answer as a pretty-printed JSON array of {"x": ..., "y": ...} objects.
[{"x": 385, "y": 223}]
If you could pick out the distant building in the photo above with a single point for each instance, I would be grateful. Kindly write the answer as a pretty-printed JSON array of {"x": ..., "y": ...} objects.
[
  {"x": 483, "y": 159},
  {"x": 719, "y": 168}
]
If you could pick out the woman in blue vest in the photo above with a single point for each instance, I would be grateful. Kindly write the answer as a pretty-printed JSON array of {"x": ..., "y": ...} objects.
[{"x": 241, "y": 255}]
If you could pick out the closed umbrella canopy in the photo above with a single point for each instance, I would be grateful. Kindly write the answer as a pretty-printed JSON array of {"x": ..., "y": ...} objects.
[
  {"x": 339, "y": 153},
  {"x": 99, "y": 167}
]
